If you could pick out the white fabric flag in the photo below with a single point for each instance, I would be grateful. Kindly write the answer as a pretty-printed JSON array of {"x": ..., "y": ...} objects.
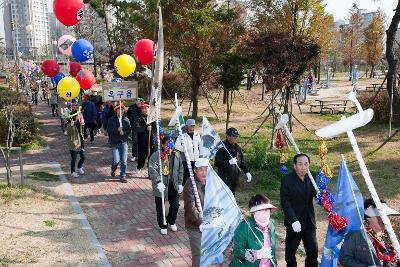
[{"x": 210, "y": 140}]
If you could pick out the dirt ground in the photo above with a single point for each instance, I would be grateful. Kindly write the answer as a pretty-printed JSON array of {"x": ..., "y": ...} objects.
[{"x": 41, "y": 229}]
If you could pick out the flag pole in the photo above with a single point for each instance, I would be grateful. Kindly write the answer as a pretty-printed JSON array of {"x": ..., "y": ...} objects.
[
  {"x": 358, "y": 210},
  {"x": 195, "y": 192},
  {"x": 120, "y": 112},
  {"x": 291, "y": 139},
  {"x": 159, "y": 155},
  {"x": 347, "y": 125}
]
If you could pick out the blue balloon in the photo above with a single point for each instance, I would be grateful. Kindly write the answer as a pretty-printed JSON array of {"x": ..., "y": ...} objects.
[
  {"x": 56, "y": 79},
  {"x": 82, "y": 50}
]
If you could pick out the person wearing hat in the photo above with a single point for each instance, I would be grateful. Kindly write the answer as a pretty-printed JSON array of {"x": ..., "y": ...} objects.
[
  {"x": 146, "y": 136},
  {"x": 254, "y": 241},
  {"x": 192, "y": 141},
  {"x": 90, "y": 116},
  {"x": 118, "y": 138},
  {"x": 170, "y": 183},
  {"x": 297, "y": 193},
  {"x": 133, "y": 113},
  {"x": 230, "y": 161},
  {"x": 75, "y": 142},
  {"x": 192, "y": 215},
  {"x": 370, "y": 246}
]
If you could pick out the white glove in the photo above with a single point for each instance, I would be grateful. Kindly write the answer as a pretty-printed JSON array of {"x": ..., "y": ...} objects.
[
  {"x": 180, "y": 188},
  {"x": 248, "y": 175},
  {"x": 161, "y": 187},
  {"x": 201, "y": 227},
  {"x": 264, "y": 253},
  {"x": 296, "y": 226},
  {"x": 233, "y": 161}
]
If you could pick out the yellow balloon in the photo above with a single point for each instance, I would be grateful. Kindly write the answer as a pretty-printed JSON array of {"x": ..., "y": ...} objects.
[
  {"x": 125, "y": 65},
  {"x": 68, "y": 88}
]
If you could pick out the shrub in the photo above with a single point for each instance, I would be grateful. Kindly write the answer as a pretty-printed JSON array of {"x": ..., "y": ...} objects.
[
  {"x": 175, "y": 82},
  {"x": 380, "y": 105}
]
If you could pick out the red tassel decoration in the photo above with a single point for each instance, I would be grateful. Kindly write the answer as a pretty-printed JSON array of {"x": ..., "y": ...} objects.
[
  {"x": 336, "y": 221},
  {"x": 279, "y": 143},
  {"x": 325, "y": 202}
]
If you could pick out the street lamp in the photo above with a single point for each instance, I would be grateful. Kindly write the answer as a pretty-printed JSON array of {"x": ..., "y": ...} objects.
[
  {"x": 29, "y": 29},
  {"x": 55, "y": 48}
]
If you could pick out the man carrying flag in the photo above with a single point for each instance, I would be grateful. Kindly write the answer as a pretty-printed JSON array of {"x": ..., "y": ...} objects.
[
  {"x": 193, "y": 218},
  {"x": 230, "y": 161}
]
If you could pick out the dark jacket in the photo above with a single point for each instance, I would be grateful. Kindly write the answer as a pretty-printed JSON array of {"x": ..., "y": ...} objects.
[
  {"x": 114, "y": 136},
  {"x": 89, "y": 112},
  {"x": 355, "y": 252},
  {"x": 226, "y": 171},
  {"x": 97, "y": 100},
  {"x": 296, "y": 205},
  {"x": 143, "y": 136},
  {"x": 192, "y": 215},
  {"x": 133, "y": 113}
]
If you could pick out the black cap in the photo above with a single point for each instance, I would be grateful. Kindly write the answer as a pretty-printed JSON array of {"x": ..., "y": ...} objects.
[{"x": 232, "y": 132}]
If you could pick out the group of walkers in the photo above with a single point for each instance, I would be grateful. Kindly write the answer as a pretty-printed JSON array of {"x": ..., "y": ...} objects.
[{"x": 254, "y": 242}]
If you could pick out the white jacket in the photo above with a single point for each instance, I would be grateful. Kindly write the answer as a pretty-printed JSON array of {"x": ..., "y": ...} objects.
[{"x": 192, "y": 146}]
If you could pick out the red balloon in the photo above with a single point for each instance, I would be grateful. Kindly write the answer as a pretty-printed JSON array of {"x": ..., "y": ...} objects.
[
  {"x": 68, "y": 12},
  {"x": 50, "y": 68},
  {"x": 74, "y": 68},
  {"x": 86, "y": 79},
  {"x": 143, "y": 51}
]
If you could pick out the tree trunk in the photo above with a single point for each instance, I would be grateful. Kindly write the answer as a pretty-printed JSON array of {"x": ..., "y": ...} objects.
[
  {"x": 108, "y": 31},
  {"x": 392, "y": 63},
  {"x": 225, "y": 98},
  {"x": 371, "y": 75},
  {"x": 195, "y": 96},
  {"x": 287, "y": 99},
  {"x": 319, "y": 72},
  {"x": 228, "y": 109}
]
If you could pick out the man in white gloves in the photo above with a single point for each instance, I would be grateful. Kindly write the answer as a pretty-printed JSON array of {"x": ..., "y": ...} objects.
[
  {"x": 297, "y": 193},
  {"x": 230, "y": 161},
  {"x": 170, "y": 183}
]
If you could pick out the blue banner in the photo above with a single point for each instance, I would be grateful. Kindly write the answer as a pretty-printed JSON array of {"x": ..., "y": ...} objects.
[
  {"x": 221, "y": 216},
  {"x": 348, "y": 202}
]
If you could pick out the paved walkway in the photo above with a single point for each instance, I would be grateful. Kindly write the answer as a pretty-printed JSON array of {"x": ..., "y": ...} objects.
[{"x": 122, "y": 215}]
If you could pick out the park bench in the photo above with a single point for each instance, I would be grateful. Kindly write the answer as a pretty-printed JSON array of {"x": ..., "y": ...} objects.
[{"x": 331, "y": 104}]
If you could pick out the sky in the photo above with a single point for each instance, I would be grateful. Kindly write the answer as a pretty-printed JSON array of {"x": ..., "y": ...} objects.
[{"x": 339, "y": 9}]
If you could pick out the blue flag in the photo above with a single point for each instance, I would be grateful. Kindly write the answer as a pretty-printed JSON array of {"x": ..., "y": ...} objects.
[
  {"x": 221, "y": 216},
  {"x": 348, "y": 202},
  {"x": 210, "y": 140}
]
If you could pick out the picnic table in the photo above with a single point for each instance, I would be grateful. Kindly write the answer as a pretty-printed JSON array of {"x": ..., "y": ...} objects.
[
  {"x": 332, "y": 104},
  {"x": 374, "y": 87}
]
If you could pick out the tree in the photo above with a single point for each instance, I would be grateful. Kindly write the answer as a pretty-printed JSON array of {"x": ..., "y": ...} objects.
[
  {"x": 284, "y": 59},
  {"x": 352, "y": 35},
  {"x": 196, "y": 33},
  {"x": 306, "y": 19},
  {"x": 373, "y": 43},
  {"x": 392, "y": 62}
]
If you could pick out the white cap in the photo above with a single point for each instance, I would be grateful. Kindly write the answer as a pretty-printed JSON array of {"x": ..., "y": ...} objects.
[
  {"x": 201, "y": 162},
  {"x": 374, "y": 212}
]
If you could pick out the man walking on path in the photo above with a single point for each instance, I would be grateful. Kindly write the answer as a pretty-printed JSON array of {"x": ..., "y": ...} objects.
[
  {"x": 192, "y": 140},
  {"x": 170, "y": 184},
  {"x": 297, "y": 193},
  {"x": 90, "y": 116},
  {"x": 228, "y": 163},
  {"x": 193, "y": 218},
  {"x": 133, "y": 113},
  {"x": 118, "y": 138}
]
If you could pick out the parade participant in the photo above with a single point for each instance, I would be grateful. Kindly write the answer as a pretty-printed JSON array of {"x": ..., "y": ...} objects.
[
  {"x": 98, "y": 102},
  {"x": 192, "y": 140},
  {"x": 75, "y": 142},
  {"x": 35, "y": 91},
  {"x": 297, "y": 193},
  {"x": 254, "y": 242},
  {"x": 54, "y": 101},
  {"x": 170, "y": 184},
  {"x": 192, "y": 215},
  {"x": 90, "y": 116},
  {"x": 146, "y": 136},
  {"x": 372, "y": 246},
  {"x": 118, "y": 138},
  {"x": 133, "y": 113},
  {"x": 228, "y": 163}
]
